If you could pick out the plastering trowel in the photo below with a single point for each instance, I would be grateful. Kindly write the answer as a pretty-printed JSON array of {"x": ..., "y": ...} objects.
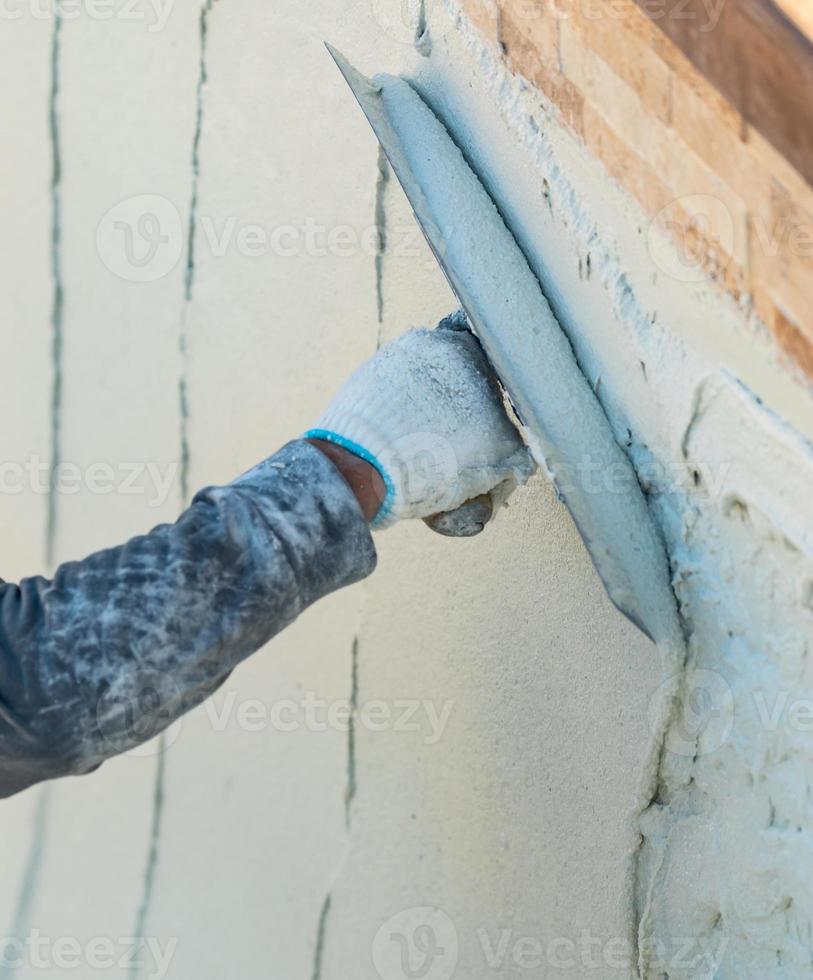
[{"x": 564, "y": 424}]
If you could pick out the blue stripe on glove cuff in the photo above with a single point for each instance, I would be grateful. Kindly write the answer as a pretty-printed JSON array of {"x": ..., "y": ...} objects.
[{"x": 365, "y": 454}]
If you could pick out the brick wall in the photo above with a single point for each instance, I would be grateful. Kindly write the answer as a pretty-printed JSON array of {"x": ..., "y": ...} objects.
[{"x": 737, "y": 211}]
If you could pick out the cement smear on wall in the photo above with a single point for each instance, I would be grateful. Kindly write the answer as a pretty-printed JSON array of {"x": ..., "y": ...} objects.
[{"x": 718, "y": 432}]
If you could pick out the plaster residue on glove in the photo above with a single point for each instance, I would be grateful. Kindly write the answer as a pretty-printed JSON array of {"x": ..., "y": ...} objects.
[{"x": 428, "y": 411}]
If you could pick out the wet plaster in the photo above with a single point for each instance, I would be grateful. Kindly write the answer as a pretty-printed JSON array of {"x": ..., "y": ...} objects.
[{"x": 718, "y": 433}]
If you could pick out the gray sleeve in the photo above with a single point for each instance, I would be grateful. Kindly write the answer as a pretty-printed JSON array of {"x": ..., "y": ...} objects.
[{"x": 118, "y": 646}]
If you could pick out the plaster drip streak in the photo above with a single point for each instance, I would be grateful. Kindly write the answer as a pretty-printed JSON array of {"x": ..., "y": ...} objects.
[
  {"x": 183, "y": 407},
  {"x": 319, "y": 948},
  {"x": 57, "y": 302},
  {"x": 641, "y": 892},
  {"x": 421, "y": 24},
  {"x": 382, "y": 181},
  {"x": 640, "y": 897},
  {"x": 352, "y": 785},
  {"x": 422, "y": 40},
  {"x": 349, "y": 796},
  {"x": 28, "y": 884},
  {"x": 698, "y": 409},
  {"x": 148, "y": 886},
  {"x": 189, "y": 273},
  {"x": 203, "y": 77}
]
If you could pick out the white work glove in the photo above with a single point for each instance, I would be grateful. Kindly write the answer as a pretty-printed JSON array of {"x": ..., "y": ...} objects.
[{"x": 428, "y": 413}]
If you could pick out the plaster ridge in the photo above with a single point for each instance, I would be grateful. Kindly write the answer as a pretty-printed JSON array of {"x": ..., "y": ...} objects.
[
  {"x": 653, "y": 784},
  {"x": 321, "y": 930},
  {"x": 327, "y": 905},
  {"x": 644, "y": 909},
  {"x": 183, "y": 409},
  {"x": 423, "y": 39},
  {"x": 30, "y": 877},
  {"x": 381, "y": 184},
  {"x": 352, "y": 785},
  {"x": 57, "y": 303},
  {"x": 151, "y": 865},
  {"x": 189, "y": 275},
  {"x": 203, "y": 77}
]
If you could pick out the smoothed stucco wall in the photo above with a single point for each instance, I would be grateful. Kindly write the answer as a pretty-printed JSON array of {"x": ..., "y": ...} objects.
[{"x": 491, "y": 809}]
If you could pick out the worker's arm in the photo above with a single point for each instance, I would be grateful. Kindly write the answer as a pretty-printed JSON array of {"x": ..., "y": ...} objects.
[{"x": 116, "y": 647}]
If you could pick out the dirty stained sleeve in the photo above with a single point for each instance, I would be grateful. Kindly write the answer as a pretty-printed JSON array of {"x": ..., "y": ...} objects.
[{"x": 115, "y": 648}]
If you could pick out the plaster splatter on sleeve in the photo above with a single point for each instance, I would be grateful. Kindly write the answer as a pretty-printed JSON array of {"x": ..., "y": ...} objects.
[{"x": 116, "y": 647}]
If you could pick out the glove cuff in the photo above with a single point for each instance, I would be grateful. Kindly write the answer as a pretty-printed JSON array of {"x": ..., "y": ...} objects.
[{"x": 386, "y": 515}]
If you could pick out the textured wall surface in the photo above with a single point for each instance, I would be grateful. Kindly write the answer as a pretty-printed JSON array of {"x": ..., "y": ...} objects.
[{"x": 201, "y": 241}]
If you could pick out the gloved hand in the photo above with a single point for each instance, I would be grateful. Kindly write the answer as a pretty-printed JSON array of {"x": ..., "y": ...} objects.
[{"x": 428, "y": 414}]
